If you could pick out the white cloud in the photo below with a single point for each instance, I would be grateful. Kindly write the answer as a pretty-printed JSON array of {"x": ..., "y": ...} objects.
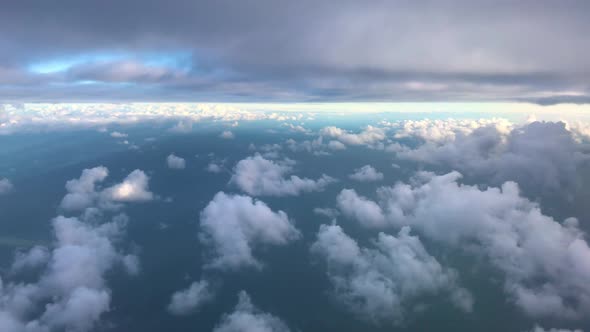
[
  {"x": 71, "y": 290},
  {"x": 117, "y": 134},
  {"x": 38, "y": 116},
  {"x": 84, "y": 192},
  {"x": 233, "y": 226},
  {"x": 262, "y": 177},
  {"x": 366, "y": 174},
  {"x": 227, "y": 134},
  {"x": 448, "y": 130},
  {"x": 175, "y": 162},
  {"x": 189, "y": 300},
  {"x": 214, "y": 168},
  {"x": 362, "y": 209},
  {"x": 383, "y": 283},
  {"x": 543, "y": 261},
  {"x": 370, "y": 135},
  {"x": 134, "y": 188},
  {"x": 5, "y": 186},
  {"x": 246, "y": 317},
  {"x": 336, "y": 145}
]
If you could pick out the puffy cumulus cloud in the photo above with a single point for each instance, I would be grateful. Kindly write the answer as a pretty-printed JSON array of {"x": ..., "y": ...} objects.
[
  {"x": 262, "y": 177},
  {"x": 233, "y": 226},
  {"x": 134, "y": 188},
  {"x": 360, "y": 208},
  {"x": 33, "y": 258},
  {"x": 213, "y": 167},
  {"x": 366, "y": 173},
  {"x": 5, "y": 186},
  {"x": 227, "y": 134},
  {"x": 369, "y": 136},
  {"x": 543, "y": 261},
  {"x": 541, "y": 156},
  {"x": 315, "y": 146},
  {"x": 175, "y": 162},
  {"x": 447, "y": 130},
  {"x": 71, "y": 293},
  {"x": 84, "y": 192},
  {"x": 189, "y": 300},
  {"x": 246, "y": 317},
  {"x": 538, "y": 328},
  {"x": 579, "y": 129},
  {"x": 383, "y": 283}
]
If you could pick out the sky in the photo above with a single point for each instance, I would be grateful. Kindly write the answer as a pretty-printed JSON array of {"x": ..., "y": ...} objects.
[
  {"x": 254, "y": 166},
  {"x": 295, "y": 51}
]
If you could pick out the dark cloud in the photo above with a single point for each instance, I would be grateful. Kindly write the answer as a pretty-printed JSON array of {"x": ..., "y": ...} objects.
[{"x": 304, "y": 50}]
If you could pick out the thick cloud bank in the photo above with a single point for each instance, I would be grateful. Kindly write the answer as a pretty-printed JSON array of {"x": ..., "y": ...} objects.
[
  {"x": 233, "y": 226},
  {"x": 262, "y": 177},
  {"x": 545, "y": 263},
  {"x": 383, "y": 283},
  {"x": 246, "y": 317}
]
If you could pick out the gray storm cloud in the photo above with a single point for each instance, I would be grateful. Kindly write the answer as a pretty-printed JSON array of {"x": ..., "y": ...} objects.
[{"x": 327, "y": 50}]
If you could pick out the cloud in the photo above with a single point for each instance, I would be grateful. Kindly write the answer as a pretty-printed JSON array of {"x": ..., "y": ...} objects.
[
  {"x": 214, "y": 168},
  {"x": 541, "y": 156},
  {"x": 134, "y": 188},
  {"x": 537, "y": 328},
  {"x": 31, "y": 259},
  {"x": 360, "y": 208},
  {"x": 373, "y": 62},
  {"x": 117, "y": 134},
  {"x": 5, "y": 186},
  {"x": 370, "y": 135},
  {"x": 246, "y": 317},
  {"x": 71, "y": 293},
  {"x": 39, "y": 116},
  {"x": 175, "y": 162},
  {"x": 383, "y": 283},
  {"x": 189, "y": 300},
  {"x": 233, "y": 226},
  {"x": 328, "y": 212},
  {"x": 542, "y": 260},
  {"x": 227, "y": 134},
  {"x": 366, "y": 174},
  {"x": 262, "y": 177},
  {"x": 83, "y": 192}
]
